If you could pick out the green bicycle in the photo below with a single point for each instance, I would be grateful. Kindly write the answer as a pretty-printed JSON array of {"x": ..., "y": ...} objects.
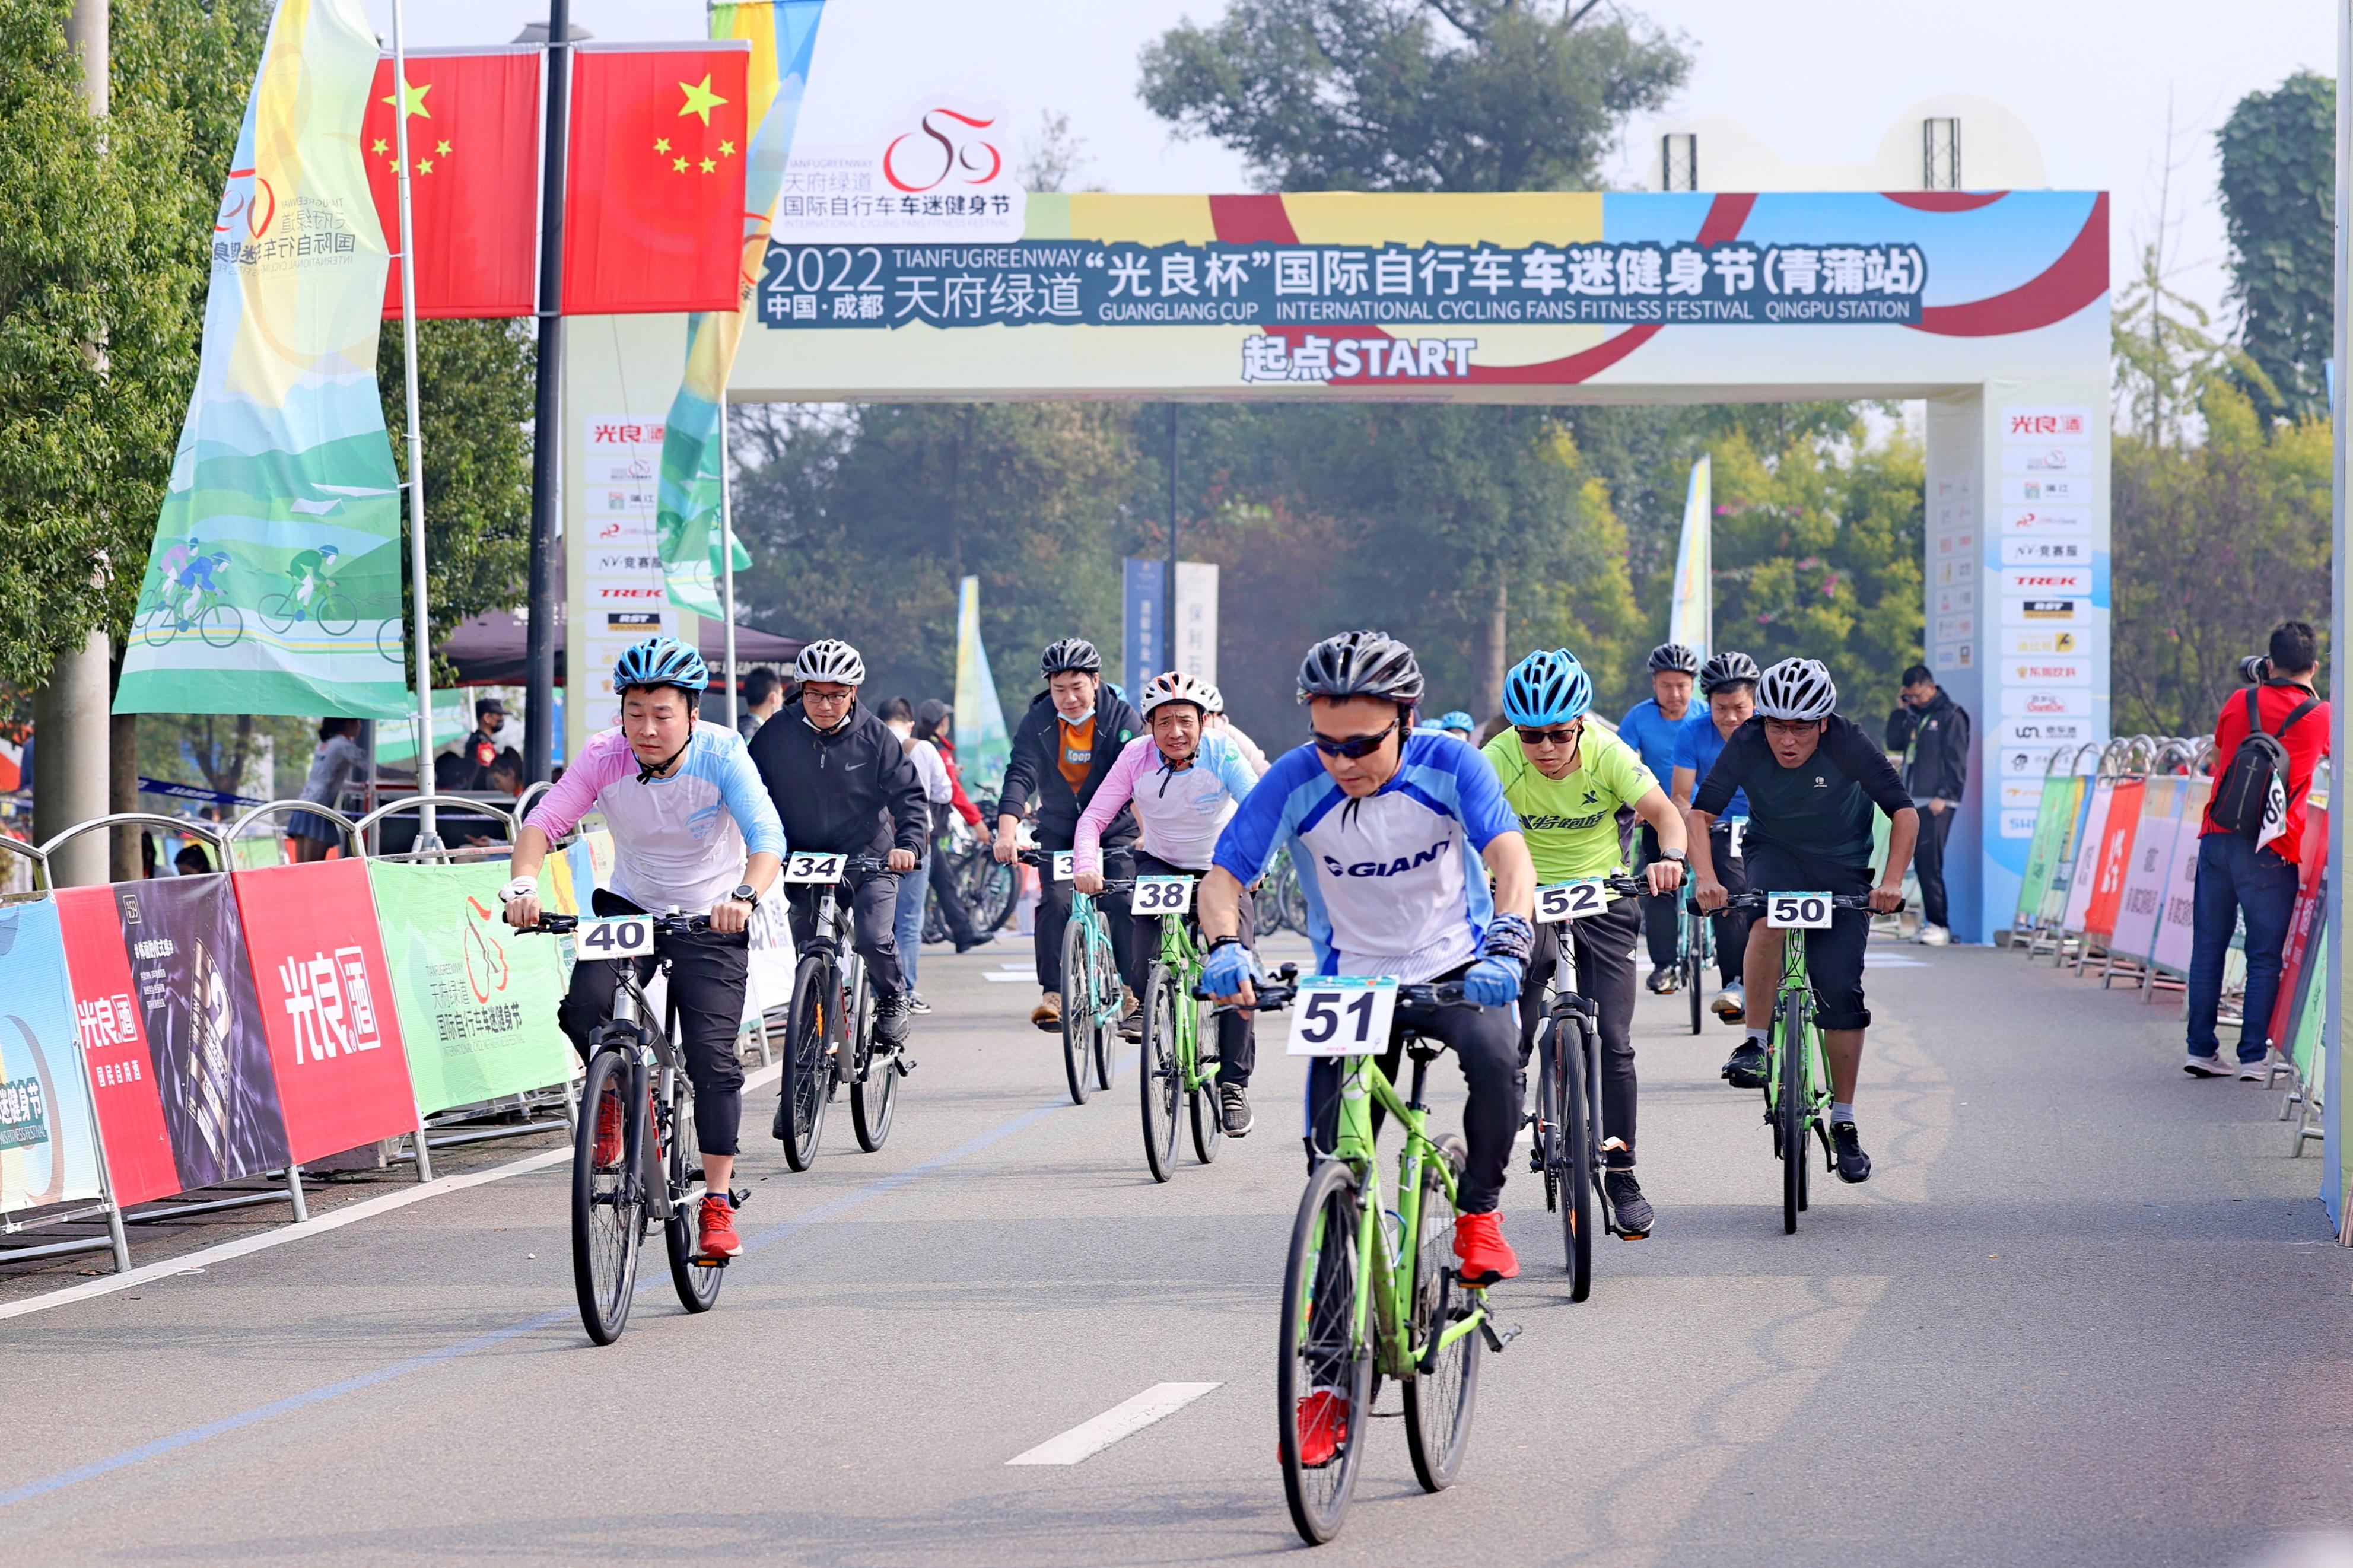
[
  {"x": 1175, "y": 1067},
  {"x": 1370, "y": 1289},
  {"x": 1091, "y": 985},
  {"x": 1797, "y": 1075},
  {"x": 1696, "y": 953}
]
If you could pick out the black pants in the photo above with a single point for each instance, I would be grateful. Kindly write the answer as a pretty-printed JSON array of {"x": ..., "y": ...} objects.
[
  {"x": 706, "y": 987},
  {"x": 1483, "y": 1042},
  {"x": 1731, "y": 925},
  {"x": 1603, "y": 956},
  {"x": 1659, "y": 917},
  {"x": 874, "y": 910},
  {"x": 1236, "y": 1031},
  {"x": 1054, "y": 914},
  {"x": 1928, "y": 863},
  {"x": 1833, "y": 957}
]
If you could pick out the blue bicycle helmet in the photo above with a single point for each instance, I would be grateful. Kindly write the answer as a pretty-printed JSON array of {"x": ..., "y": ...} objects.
[
  {"x": 661, "y": 662},
  {"x": 1549, "y": 687},
  {"x": 1455, "y": 719}
]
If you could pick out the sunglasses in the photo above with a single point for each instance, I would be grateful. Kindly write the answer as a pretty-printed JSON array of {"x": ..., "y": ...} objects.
[
  {"x": 1355, "y": 746},
  {"x": 1564, "y": 736}
]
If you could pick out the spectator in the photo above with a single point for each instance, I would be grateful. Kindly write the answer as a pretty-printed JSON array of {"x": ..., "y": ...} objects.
[
  {"x": 1932, "y": 731},
  {"x": 939, "y": 793},
  {"x": 2241, "y": 875},
  {"x": 338, "y": 756},
  {"x": 192, "y": 860},
  {"x": 506, "y": 774},
  {"x": 764, "y": 694},
  {"x": 935, "y": 723}
]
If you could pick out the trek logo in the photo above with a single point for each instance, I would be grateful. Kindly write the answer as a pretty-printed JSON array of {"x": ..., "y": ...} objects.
[{"x": 1397, "y": 866}]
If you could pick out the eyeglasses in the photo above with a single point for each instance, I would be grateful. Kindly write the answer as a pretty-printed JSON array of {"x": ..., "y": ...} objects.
[
  {"x": 1566, "y": 735},
  {"x": 1355, "y": 745}
]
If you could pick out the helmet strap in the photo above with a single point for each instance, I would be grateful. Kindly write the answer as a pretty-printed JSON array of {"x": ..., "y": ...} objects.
[{"x": 648, "y": 772}]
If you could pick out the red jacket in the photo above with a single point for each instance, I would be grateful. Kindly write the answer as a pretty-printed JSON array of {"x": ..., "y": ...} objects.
[
  {"x": 959, "y": 800},
  {"x": 2306, "y": 743}
]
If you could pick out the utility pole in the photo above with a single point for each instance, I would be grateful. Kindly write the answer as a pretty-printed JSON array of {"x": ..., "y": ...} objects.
[
  {"x": 71, "y": 717},
  {"x": 547, "y": 418},
  {"x": 1168, "y": 584}
]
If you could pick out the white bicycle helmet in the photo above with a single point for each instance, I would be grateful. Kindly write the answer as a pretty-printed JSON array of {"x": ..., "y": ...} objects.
[
  {"x": 831, "y": 659},
  {"x": 1212, "y": 698},
  {"x": 1797, "y": 690},
  {"x": 1176, "y": 686}
]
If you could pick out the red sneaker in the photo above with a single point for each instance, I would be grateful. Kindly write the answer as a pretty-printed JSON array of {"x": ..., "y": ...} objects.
[
  {"x": 718, "y": 1228},
  {"x": 610, "y": 1132},
  {"x": 1322, "y": 1427},
  {"x": 1486, "y": 1255}
]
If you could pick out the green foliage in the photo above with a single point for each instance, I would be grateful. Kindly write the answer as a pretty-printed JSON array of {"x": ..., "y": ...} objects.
[
  {"x": 2162, "y": 354},
  {"x": 2279, "y": 207}
]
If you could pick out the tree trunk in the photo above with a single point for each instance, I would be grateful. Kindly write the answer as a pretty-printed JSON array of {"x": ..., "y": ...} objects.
[
  {"x": 1492, "y": 656},
  {"x": 122, "y": 794}
]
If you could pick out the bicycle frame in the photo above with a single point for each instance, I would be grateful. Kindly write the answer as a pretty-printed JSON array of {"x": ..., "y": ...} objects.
[
  {"x": 1183, "y": 959},
  {"x": 1088, "y": 915},
  {"x": 654, "y": 1061},
  {"x": 1814, "y": 1069}
]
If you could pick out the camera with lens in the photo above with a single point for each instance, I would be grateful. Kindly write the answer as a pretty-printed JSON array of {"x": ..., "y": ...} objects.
[{"x": 2255, "y": 669}]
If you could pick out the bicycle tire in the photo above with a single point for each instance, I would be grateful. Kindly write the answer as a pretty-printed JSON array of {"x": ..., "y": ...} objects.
[
  {"x": 1544, "y": 1133},
  {"x": 1078, "y": 1013},
  {"x": 1694, "y": 967},
  {"x": 335, "y": 614},
  {"x": 874, "y": 1094},
  {"x": 226, "y": 617},
  {"x": 696, "y": 1283},
  {"x": 276, "y": 612},
  {"x": 1580, "y": 1149},
  {"x": 398, "y": 653},
  {"x": 1160, "y": 1074},
  {"x": 1441, "y": 1398},
  {"x": 805, "y": 1081},
  {"x": 1105, "y": 1041},
  {"x": 607, "y": 1222},
  {"x": 1318, "y": 1349},
  {"x": 1789, "y": 1111},
  {"x": 1208, "y": 1116},
  {"x": 990, "y": 890}
]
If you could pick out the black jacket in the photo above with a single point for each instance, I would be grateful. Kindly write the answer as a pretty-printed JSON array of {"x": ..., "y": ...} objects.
[
  {"x": 1033, "y": 772},
  {"x": 844, "y": 791},
  {"x": 1937, "y": 739}
]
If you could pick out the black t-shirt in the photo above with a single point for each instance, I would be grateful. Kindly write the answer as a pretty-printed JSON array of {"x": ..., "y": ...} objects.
[{"x": 1821, "y": 807}]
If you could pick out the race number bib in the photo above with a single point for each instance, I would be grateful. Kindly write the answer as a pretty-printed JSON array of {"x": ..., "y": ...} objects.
[
  {"x": 606, "y": 941},
  {"x": 1798, "y": 911},
  {"x": 1162, "y": 895},
  {"x": 1580, "y": 900},
  {"x": 1739, "y": 825},
  {"x": 1343, "y": 1015},
  {"x": 1060, "y": 864},
  {"x": 801, "y": 867}
]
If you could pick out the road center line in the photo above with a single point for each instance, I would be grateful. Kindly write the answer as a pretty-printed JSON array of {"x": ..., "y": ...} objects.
[{"x": 1123, "y": 1420}]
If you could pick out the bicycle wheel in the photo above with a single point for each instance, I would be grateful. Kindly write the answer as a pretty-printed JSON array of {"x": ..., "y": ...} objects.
[
  {"x": 1325, "y": 1371},
  {"x": 607, "y": 1198},
  {"x": 698, "y": 1283},
  {"x": 1694, "y": 966},
  {"x": 1106, "y": 1041},
  {"x": 1579, "y": 1149},
  {"x": 1160, "y": 1076},
  {"x": 1789, "y": 1109},
  {"x": 221, "y": 626},
  {"x": 806, "y": 1081},
  {"x": 277, "y": 611},
  {"x": 874, "y": 1096},
  {"x": 989, "y": 890},
  {"x": 1078, "y": 1012},
  {"x": 392, "y": 642},
  {"x": 335, "y": 614},
  {"x": 1439, "y": 1402},
  {"x": 1201, "y": 1101}
]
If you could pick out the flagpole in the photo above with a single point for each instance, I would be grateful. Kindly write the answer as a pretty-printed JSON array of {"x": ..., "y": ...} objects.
[
  {"x": 424, "y": 656},
  {"x": 727, "y": 556}
]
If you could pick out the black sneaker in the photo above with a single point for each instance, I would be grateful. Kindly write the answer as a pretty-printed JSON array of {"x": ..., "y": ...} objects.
[
  {"x": 1746, "y": 1068},
  {"x": 1233, "y": 1109},
  {"x": 1630, "y": 1210},
  {"x": 1853, "y": 1164},
  {"x": 1131, "y": 1023},
  {"x": 1664, "y": 980},
  {"x": 891, "y": 1022}
]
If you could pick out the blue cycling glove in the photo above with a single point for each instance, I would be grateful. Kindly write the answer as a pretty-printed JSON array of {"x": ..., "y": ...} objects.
[
  {"x": 1223, "y": 971},
  {"x": 1494, "y": 982}
]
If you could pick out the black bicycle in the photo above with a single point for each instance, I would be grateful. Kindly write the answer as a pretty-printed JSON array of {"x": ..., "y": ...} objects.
[
  {"x": 829, "y": 1038},
  {"x": 633, "y": 1160}
]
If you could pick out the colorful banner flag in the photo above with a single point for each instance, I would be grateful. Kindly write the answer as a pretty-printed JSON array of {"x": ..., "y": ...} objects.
[
  {"x": 782, "y": 34},
  {"x": 273, "y": 585},
  {"x": 122, "y": 1066},
  {"x": 983, "y": 746},
  {"x": 473, "y": 184},
  {"x": 1691, "y": 617},
  {"x": 653, "y": 199},
  {"x": 48, "y": 1148}
]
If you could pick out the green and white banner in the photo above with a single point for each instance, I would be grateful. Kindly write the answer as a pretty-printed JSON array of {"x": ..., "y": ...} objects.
[{"x": 274, "y": 582}]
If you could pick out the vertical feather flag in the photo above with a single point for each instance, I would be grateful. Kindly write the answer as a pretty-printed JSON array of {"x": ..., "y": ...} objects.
[
  {"x": 1691, "y": 619},
  {"x": 783, "y": 36}
]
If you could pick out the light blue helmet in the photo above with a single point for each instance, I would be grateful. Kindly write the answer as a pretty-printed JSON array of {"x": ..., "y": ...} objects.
[
  {"x": 1549, "y": 687},
  {"x": 1455, "y": 719},
  {"x": 661, "y": 662}
]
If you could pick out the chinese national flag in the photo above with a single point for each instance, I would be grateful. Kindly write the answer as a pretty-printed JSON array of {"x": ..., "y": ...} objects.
[
  {"x": 474, "y": 186},
  {"x": 653, "y": 215}
]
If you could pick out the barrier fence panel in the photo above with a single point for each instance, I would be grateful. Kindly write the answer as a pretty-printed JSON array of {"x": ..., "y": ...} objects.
[
  {"x": 2084, "y": 878},
  {"x": 2115, "y": 846},
  {"x": 2310, "y": 893},
  {"x": 2051, "y": 824},
  {"x": 49, "y": 1144},
  {"x": 2175, "y": 924},
  {"x": 2154, "y": 844},
  {"x": 2052, "y": 913},
  {"x": 124, "y": 1071}
]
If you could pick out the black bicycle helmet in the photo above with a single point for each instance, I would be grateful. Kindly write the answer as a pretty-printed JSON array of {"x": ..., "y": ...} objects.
[
  {"x": 1673, "y": 657},
  {"x": 1727, "y": 670},
  {"x": 1070, "y": 654},
  {"x": 1361, "y": 664}
]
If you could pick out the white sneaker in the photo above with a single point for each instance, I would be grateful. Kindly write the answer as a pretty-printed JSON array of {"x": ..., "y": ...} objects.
[
  {"x": 2255, "y": 1072},
  {"x": 2206, "y": 1067},
  {"x": 1935, "y": 936},
  {"x": 1731, "y": 1004}
]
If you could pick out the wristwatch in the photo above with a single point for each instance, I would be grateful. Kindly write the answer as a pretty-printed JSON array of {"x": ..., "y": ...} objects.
[
  {"x": 1674, "y": 854},
  {"x": 743, "y": 894}
]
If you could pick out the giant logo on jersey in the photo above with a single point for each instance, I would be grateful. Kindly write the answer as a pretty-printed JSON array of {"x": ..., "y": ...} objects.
[{"x": 1402, "y": 864}]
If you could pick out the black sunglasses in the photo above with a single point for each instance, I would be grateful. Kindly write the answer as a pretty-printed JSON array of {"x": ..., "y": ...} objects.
[
  {"x": 1565, "y": 735},
  {"x": 1355, "y": 745}
]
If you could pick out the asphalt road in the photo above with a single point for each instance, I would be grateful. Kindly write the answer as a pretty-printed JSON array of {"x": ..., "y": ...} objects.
[{"x": 2086, "y": 1311}]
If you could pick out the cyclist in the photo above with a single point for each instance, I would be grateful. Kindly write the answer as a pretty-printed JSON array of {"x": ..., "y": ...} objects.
[
  {"x": 1458, "y": 724},
  {"x": 1651, "y": 727},
  {"x": 692, "y": 830},
  {"x": 1811, "y": 778},
  {"x": 1182, "y": 784},
  {"x": 1219, "y": 722},
  {"x": 1567, "y": 780},
  {"x": 306, "y": 576},
  {"x": 1728, "y": 681},
  {"x": 1388, "y": 826},
  {"x": 196, "y": 579},
  {"x": 1062, "y": 755},
  {"x": 843, "y": 785}
]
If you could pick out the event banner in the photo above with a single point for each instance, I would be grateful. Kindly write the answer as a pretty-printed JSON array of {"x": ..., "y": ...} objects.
[
  {"x": 273, "y": 585},
  {"x": 982, "y": 745},
  {"x": 2176, "y": 921},
  {"x": 326, "y": 1005},
  {"x": 477, "y": 1000},
  {"x": 2116, "y": 848},
  {"x": 120, "y": 1064},
  {"x": 2153, "y": 849},
  {"x": 48, "y": 1150},
  {"x": 2089, "y": 839},
  {"x": 2054, "y": 820}
]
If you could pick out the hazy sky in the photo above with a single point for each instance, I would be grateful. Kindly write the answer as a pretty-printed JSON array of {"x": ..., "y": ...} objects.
[{"x": 1818, "y": 80}]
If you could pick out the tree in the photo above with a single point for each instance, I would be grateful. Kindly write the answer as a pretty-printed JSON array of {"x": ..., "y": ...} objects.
[{"x": 2279, "y": 208}]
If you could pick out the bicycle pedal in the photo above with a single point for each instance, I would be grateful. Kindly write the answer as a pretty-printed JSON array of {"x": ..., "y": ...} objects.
[
  {"x": 708, "y": 1262},
  {"x": 1498, "y": 1337}
]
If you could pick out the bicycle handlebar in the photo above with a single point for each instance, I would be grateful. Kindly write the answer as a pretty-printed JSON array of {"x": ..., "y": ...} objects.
[
  {"x": 1278, "y": 991},
  {"x": 664, "y": 925},
  {"x": 1837, "y": 901}
]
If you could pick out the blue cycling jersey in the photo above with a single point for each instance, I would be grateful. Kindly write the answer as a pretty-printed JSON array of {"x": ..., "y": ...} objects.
[
  {"x": 1654, "y": 734},
  {"x": 1696, "y": 747}
]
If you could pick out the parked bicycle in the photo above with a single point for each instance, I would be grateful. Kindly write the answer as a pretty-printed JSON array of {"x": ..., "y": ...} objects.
[{"x": 829, "y": 1035}]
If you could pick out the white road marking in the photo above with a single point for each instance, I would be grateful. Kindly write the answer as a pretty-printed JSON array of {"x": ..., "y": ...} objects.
[
  {"x": 1874, "y": 959},
  {"x": 1124, "y": 1420},
  {"x": 1024, "y": 976}
]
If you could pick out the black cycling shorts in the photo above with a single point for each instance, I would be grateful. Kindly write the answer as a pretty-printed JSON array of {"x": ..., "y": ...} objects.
[{"x": 1833, "y": 957}]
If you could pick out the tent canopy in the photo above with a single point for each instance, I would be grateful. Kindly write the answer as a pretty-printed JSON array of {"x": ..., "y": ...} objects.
[{"x": 489, "y": 650}]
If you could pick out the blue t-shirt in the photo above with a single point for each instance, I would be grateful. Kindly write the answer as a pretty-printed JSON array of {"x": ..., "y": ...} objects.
[
  {"x": 1654, "y": 734},
  {"x": 1696, "y": 747}
]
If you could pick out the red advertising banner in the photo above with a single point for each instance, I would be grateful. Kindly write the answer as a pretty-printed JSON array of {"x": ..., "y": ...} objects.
[
  {"x": 473, "y": 184},
  {"x": 326, "y": 1000},
  {"x": 123, "y": 1079},
  {"x": 2116, "y": 835}
]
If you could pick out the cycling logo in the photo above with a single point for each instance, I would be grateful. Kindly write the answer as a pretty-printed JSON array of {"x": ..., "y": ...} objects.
[
  {"x": 1402, "y": 864},
  {"x": 487, "y": 971}
]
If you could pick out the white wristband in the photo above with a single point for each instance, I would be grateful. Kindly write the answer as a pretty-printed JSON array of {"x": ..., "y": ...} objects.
[{"x": 521, "y": 888}]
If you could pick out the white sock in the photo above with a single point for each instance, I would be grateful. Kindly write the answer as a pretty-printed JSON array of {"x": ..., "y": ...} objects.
[
  {"x": 1840, "y": 1111},
  {"x": 1756, "y": 1038}
]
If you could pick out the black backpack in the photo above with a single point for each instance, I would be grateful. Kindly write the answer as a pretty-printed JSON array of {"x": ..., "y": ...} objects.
[{"x": 2253, "y": 786}]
